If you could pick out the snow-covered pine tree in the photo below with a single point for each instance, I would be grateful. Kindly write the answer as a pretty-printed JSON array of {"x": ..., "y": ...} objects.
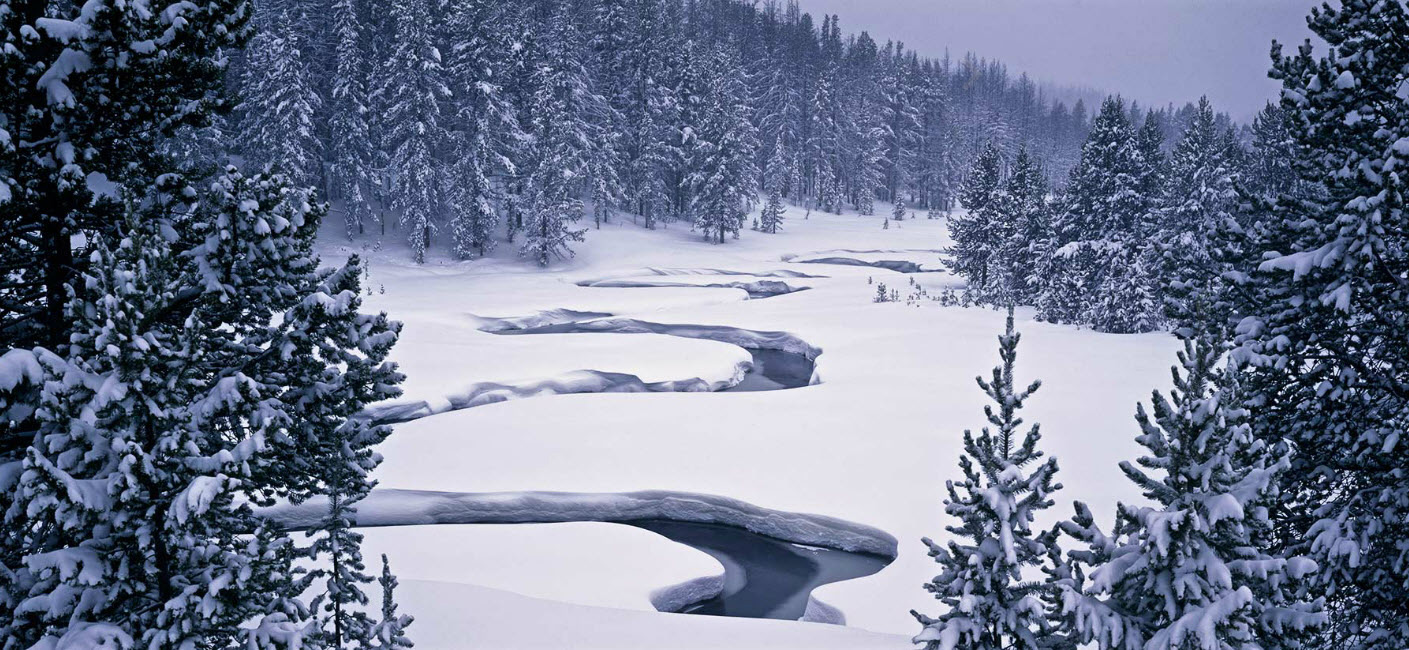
[
  {"x": 98, "y": 118},
  {"x": 901, "y": 118},
  {"x": 1006, "y": 482},
  {"x": 897, "y": 211},
  {"x": 561, "y": 142},
  {"x": 216, "y": 357},
  {"x": 411, "y": 87},
  {"x": 62, "y": 124},
  {"x": 1191, "y": 250},
  {"x": 1274, "y": 151},
  {"x": 281, "y": 101},
  {"x": 351, "y": 143},
  {"x": 1098, "y": 232},
  {"x": 1152, "y": 170},
  {"x": 1021, "y": 255},
  {"x": 1324, "y": 316},
  {"x": 775, "y": 179},
  {"x": 979, "y": 232},
  {"x": 723, "y": 176},
  {"x": 984, "y": 180},
  {"x": 1193, "y": 570},
  {"x": 485, "y": 125},
  {"x": 390, "y": 631}
]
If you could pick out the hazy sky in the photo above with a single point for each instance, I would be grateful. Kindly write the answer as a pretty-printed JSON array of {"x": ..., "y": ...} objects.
[{"x": 1155, "y": 51}]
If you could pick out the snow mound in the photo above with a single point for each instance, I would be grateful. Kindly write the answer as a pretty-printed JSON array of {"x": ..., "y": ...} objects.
[
  {"x": 389, "y": 507},
  {"x": 756, "y": 289},
  {"x": 744, "y": 338},
  {"x": 575, "y": 382},
  {"x": 781, "y": 273},
  {"x": 540, "y": 319}
]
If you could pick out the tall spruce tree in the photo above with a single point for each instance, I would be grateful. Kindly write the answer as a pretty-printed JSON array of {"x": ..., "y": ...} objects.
[
  {"x": 411, "y": 87},
  {"x": 1006, "y": 482},
  {"x": 723, "y": 177},
  {"x": 210, "y": 359},
  {"x": 1193, "y": 570},
  {"x": 351, "y": 146},
  {"x": 980, "y": 231},
  {"x": 1324, "y": 315},
  {"x": 281, "y": 100},
  {"x": 561, "y": 144}
]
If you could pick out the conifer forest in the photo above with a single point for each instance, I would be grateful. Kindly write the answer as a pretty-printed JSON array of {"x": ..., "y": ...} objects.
[{"x": 654, "y": 324}]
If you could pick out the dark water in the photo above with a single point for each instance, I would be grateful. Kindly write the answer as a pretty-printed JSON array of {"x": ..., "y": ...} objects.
[
  {"x": 899, "y": 266},
  {"x": 763, "y": 577},
  {"x": 772, "y": 369},
  {"x": 775, "y": 370}
]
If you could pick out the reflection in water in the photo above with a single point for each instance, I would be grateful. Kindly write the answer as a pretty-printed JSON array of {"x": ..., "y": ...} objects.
[{"x": 764, "y": 577}]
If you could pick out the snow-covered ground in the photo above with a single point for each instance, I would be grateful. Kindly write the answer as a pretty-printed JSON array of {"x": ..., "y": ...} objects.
[{"x": 873, "y": 442}]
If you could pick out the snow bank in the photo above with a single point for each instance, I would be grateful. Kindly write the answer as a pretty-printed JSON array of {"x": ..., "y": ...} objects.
[
  {"x": 575, "y": 382},
  {"x": 452, "y": 616},
  {"x": 539, "y": 319},
  {"x": 388, "y": 507},
  {"x": 755, "y": 289},
  {"x": 744, "y": 338}
]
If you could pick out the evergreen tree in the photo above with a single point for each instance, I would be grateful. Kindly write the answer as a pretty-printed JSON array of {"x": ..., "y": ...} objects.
[
  {"x": 1193, "y": 570},
  {"x": 64, "y": 123},
  {"x": 989, "y": 604},
  {"x": 486, "y": 127},
  {"x": 561, "y": 143},
  {"x": 1274, "y": 152},
  {"x": 390, "y": 632},
  {"x": 281, "y": 102},
  {"x": 1022, "y": 253},
  {"x": 1096, "y": 270},
  {"x": 776, "y": 178},
  {"x": 351, "y": 146},
  {"x": 984, "y": 180},
  {"x": 1192, "y": 249},
  {"x": 1323, "y": 318},
  {"x": 722, "y": 182},
  {"x": 981, "y": 230},
  {"x": 170, "y": 413},
  {"x": 411, "y": 86}
]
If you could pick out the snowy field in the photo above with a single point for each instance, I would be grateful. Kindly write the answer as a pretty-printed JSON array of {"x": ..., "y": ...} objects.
[{"x": 871, "y": 442}]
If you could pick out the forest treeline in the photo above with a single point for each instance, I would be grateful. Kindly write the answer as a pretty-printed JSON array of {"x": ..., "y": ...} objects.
[
  {"x": 1141, "y": 225},
  {"x": 471, "y": 123}
]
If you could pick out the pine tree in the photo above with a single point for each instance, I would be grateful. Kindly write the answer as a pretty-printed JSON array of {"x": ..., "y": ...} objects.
[
  {"x": 390, "y": 632},
  {"x": 281, "y": 102},
  {"x": 1023, "y": 252},
  {"x": 486, "y": 126},
  {"x": 196, "y": 421},
  {"x": 561, "y": 145},
  {"x": 1323, "y": 319},
  {"x": 1192, "y": 248},
  {"x": 411, "y": 86},
  {"x": 775, "y": 180},
  {"x": 722, "y": 182},
  {"x": 984, "y": 180},
  {"x": 981, "y": 230},
  {"x": 63, "y": 124},
  {"x": 351, "y": 146},
  {"x": 1096, "y": 273},
  {"x": 1193, "y": 570},
  {"x": 990, "y": 606}
]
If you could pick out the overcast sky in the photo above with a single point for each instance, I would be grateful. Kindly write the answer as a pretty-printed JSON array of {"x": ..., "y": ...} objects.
[{"x": 1155, "y": 51}]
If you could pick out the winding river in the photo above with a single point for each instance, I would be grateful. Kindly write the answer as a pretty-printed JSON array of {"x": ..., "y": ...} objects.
[{"x": 772, "y": 560}]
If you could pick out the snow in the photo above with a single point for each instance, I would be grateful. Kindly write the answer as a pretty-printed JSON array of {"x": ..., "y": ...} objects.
[
  {"x": 872, "y": 442},
  {"x": 450, "y": 616}
]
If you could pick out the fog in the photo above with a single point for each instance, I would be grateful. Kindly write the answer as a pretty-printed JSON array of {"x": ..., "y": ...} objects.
[{"x": 1154, "y": 51}]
